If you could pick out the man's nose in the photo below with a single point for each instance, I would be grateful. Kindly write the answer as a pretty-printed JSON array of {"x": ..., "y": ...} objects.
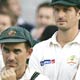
[
  {"x": 61, "y": 14},
  {"x": 11, "y": 56}
]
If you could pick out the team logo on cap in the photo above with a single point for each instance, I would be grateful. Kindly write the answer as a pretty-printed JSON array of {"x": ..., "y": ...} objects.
[{"x": 12, "y": 33}]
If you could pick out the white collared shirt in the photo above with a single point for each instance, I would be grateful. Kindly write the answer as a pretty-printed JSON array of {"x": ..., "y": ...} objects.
[
  {"x": 28, "y": 74},
  {"x": 1, "y": 60},
  {"x": 57, "y": 63}
]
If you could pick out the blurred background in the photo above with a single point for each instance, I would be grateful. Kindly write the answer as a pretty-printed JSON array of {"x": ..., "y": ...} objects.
[
  {"x": 33, "y": 15},
  {"x": 29, "y": 9}
]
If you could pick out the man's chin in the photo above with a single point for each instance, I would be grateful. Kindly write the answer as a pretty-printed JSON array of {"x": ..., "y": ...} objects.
[{"x": 63, "y": 28}]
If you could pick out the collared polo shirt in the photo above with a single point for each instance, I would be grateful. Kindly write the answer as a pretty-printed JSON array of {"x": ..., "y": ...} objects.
[
  {"x": 57, "y": 63},
  {"x": 28, "y": 74}
]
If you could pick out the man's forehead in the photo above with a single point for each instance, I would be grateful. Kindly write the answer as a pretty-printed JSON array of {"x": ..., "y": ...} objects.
[
  {"x": 14, "y": 44},
  {"x": 62, "y": 6}
]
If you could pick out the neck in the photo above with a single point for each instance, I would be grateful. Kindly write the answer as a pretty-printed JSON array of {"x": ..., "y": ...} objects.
[
  {"x": 21, "y": 72},
  {"x": 64, "y": 37}
]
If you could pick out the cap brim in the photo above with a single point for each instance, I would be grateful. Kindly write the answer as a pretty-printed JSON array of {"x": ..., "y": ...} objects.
[
  {"x": 12, "y": 40},
  {"x": 63, "y": 3}
]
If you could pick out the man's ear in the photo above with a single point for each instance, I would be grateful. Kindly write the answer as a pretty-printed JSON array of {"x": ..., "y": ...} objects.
[
  {"x": 29, "y": 53},
  {"x": 79, "y": 14}
]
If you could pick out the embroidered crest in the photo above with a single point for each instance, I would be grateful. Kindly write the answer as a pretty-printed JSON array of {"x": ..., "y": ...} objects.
[
  {"x": 12, "y": 33},
  {"x": 72, "y": 59}
]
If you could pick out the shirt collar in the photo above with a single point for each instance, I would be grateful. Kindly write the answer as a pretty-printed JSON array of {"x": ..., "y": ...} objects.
[
  {"x": 77, "y": 39},
  {"x": 54, "y": 41}
]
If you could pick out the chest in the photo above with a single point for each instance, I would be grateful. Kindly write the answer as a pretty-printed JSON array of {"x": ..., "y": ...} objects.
[{"x": 69, "y": 55}]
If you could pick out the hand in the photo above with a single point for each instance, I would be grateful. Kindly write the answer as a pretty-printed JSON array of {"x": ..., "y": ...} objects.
[{"x": 8, "y": 74}]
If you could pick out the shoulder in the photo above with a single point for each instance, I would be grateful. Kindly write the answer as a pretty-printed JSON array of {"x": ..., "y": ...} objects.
[
  {"x": 38, "y": 76},
  {"x": 42, "y": 44},
  {"x": 46, "y": 43},
  {"x": 40, "y": 49},
  {"x": 30, "y": 72}
]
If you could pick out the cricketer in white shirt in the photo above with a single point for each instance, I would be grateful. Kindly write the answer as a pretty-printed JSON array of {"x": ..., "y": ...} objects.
[{"x": 57, "y": 63}]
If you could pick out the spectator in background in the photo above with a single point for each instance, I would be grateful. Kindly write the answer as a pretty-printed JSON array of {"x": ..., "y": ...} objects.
[
  {"x": 44, "y": 17},
  {"x": 48, "y": 32},
  {"x": 3, "y": 5},
  {"x": 7, "y": 19},
  {"x": 15, "y": 8}
]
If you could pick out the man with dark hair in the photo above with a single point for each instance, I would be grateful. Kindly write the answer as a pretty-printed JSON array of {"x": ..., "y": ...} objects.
[
  {"x": 44, "y": 15},
  {"x": 16, "y": 45},
  {"x": 59, "y": 56}
]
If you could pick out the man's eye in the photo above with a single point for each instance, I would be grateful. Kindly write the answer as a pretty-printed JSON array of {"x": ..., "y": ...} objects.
[
  {"x": 56, "y": 9},
  {"x": 17, "y": 51},
  {"x": 6, "y": 50}
]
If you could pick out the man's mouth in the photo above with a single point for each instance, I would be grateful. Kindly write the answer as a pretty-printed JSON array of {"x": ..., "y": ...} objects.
[
  {"x": 62, "y": 21},
  {"x": 11, "y": 65}
]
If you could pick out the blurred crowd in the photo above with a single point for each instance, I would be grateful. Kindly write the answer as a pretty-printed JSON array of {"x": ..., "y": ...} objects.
[{"x": 44, "y": 17}]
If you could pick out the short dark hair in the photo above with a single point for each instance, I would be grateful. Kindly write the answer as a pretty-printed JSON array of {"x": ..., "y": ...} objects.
[
  {"x": 4, "y": 3},
  {"x": 77, "y": 9},
  {"x": 27, "y": 44},
  {"x": 45, "y": 4}
]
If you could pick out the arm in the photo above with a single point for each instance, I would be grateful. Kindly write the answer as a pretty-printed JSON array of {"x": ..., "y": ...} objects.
[
  {"x": 77, "y": 75},
  {"x": 34, "y": 62}
]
